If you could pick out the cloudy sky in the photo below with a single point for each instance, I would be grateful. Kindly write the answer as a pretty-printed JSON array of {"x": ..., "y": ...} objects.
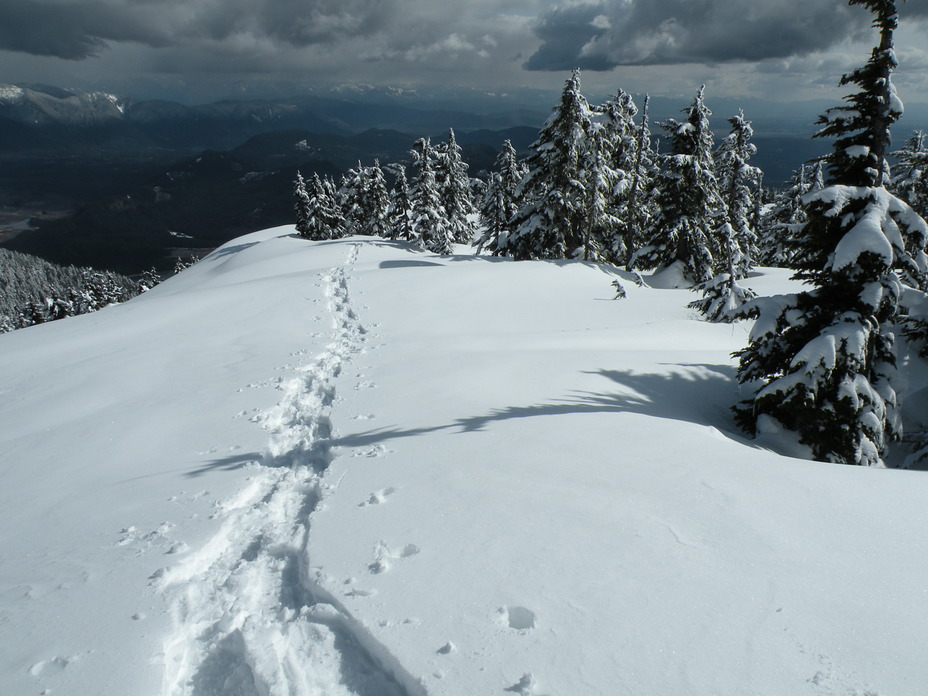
[{"x": 199, "y": 50}]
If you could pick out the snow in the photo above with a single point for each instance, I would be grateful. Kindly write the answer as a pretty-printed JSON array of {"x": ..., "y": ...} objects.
[
  {"x": 856, "y": 151},
  {"x": 347, "y": 467},
  {"x": 11, "y": 92}
]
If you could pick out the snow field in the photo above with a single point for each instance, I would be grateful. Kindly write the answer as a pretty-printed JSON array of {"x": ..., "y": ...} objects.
[{"x": 351, "y": 468}]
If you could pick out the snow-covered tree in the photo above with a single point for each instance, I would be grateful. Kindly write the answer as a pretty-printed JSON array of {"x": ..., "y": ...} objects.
[
  {"x": 735, "y": 237},
  {"x": 376, "y": 202},
  {"x": 549, "y": 223},
  {"x": 687, "y": 198},
  {"x": 455, "y": 190},
  {"x": 400, "y": 214},
  {"x": 637, "y": 202},
  {"x": 786, "y": 216},
  {"x": 601, "y": 232},
  {"x": 429, "y": 223},
  {"x": 325, "y": 215},
  {"x": 820, "y": 362},
  {"x": 352, "y": 195},
  {"x": 910, "y": 181},
  {"x": 738, "y": 181},
  {"x": 148, "y": 280},
  {"x": 301, "y": 205},
  {"x": 500, "y": 200}
]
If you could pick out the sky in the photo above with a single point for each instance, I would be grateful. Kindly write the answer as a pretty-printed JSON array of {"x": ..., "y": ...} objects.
[{"x": 200, "y": 50}]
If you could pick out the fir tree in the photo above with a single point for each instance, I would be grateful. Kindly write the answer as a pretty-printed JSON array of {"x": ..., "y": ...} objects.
[
  {"x": 785, "y": 218},
  {"x": 429, "y": 224},
  {"x": 500, "y": 200},
  {"x": 737, "y": 183},
  {"x": 911, "y": 181},
  {"x": 820, "y": 361},
  {"x": 637, "y": 201},
  {"x": 301, "y": 205},
  {"x": 688, "y": 200},
  {"x": 376, "y": 202},
  {"x": 549, "y": 224},
  {"x": 148, "y": 280},
  {"x": 352, "y": 194},
  {"x": 454, "y": 188},
  {"x": 325, "y": 216},
  {"x": 400, "y": 214},
  {"x": 602, "y": 239}
]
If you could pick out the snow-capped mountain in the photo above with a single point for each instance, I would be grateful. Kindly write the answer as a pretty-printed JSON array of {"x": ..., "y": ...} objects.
[
  {"x": 32, "y": 107},
  {"x": 351, "y": 468}
]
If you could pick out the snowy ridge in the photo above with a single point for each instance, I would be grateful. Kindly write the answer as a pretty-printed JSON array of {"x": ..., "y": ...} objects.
[{"x": 248, "y": 616}]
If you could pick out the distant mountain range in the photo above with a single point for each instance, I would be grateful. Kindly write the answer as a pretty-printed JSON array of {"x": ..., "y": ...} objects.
[
  {"x": 41, "y": 117},
  {"x": 149, "y": 176}
]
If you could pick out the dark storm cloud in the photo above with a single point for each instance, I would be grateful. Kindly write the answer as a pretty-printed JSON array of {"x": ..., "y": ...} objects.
[
  {"x": 72, "y": 31},
  {"x": 77, "y": 29},
  {"x": 655, "y": 32},
  {"x": 564, "y": 33}
]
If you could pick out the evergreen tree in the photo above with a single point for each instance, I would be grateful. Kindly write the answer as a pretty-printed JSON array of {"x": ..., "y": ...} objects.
[
  {"x": 820, "y": 361},
  {"x": 784, "y": 219},
  {"x": 687, "y": 198},
  {"x": 301, "y": 205},
  {"x": 602, "y": 239},
  {"x": 737, "y": 183},
  {"x": 400, "y": 214},
  {"x": 376, "y": 203},
  {"x": 148, "y": 280},
  {"x": 549, "y": 224},
  {"x": 911, "y": 181},
  {"x": 352, "y": 195},
  {"x": 429, "y": 224},
  {"x": 500, "y": 201},
  {"x": 454, "y": 188},
  {"x": 325, "y": 216},
  {"x": 637, "y": 201}
]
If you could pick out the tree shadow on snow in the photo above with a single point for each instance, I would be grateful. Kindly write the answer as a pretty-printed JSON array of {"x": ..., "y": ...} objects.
[
  {"x": 230, "y": 463},
  {"x": 700, "y": 394},
  {"x": 694, "y": 393},
  {"x": 229, "y": 251}
]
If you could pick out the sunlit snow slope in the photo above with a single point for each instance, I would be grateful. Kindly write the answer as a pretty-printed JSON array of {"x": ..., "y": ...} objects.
[{"x": 353, "y": 468}]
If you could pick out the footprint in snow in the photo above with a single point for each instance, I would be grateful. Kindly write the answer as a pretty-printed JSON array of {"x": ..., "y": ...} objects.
[
  {"x": 378, "y": 497},
  {"x": 518, "y": 618},
  {"x": 373, "y": 451},
  {"x": 384, "y": 555}
]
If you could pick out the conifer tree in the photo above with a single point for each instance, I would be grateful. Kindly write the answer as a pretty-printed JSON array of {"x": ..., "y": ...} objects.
[
  {"x": 737, "y": 182},
  {"x": 500, "y": 201},
  {"x": 687, "y": 198},
  {"x": 601, "y": 232},
  {"x": 400, "y": 214},
  {"x": 910, "y": 182},
  {"x": 352, "y": 195},
  {"x": 325, "y": 220},
  {"x": 786, "y": 217},
  {"x": 455, "y": 191},
  {"x": 375, "y": 204},
  {"x": 429, "y": 224},
  {"x": 148, "y": 280},
  {"x": 637, "y": 201},
  {"x": 549, "y": 224},
  {"x": 819, "y": 362},
  {"x": 301, "y": 205}
]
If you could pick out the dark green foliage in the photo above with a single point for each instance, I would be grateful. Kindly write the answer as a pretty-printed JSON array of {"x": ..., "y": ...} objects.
[
  {"x": 549, "y": 224},
  {"x": 500, "y": 200},
  {"x": 34, "y": 291},
  {"x": 688, "y": 200},
  {"x": 820, "y": 361}
]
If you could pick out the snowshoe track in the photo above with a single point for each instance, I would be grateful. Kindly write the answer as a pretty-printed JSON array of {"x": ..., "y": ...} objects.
[{"x": 249, "y": 618}]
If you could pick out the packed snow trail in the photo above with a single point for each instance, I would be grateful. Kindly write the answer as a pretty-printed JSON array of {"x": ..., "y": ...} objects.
[{"x": 249, "y": 618}]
